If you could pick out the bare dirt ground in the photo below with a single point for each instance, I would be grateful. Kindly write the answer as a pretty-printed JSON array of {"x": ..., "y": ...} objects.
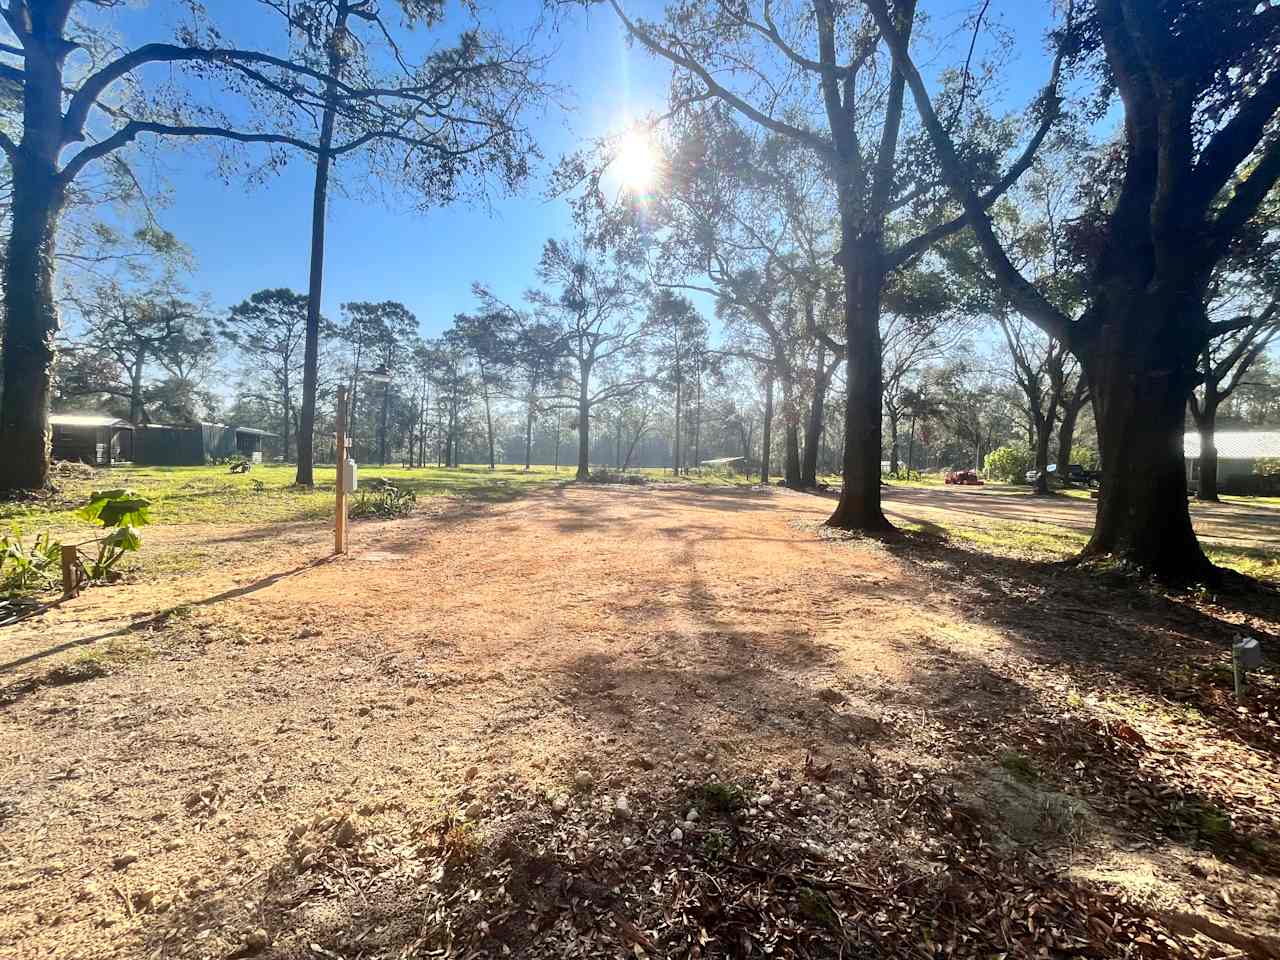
[{"x": 649, "y": 721}]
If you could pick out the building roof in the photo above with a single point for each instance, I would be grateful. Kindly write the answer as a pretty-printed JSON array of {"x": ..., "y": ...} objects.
[
  {"x": 192, "y": 426},
  {"x": 88, "y": 420},
  {"x": 1236, "y": 444}
]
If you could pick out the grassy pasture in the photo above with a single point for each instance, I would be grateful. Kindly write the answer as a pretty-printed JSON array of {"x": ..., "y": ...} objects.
[
  {"x": 1048, "y": 542},
  {"x": 265, "y": 495}
]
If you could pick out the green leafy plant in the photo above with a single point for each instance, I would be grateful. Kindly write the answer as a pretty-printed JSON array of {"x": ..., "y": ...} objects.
[
  {"x": 123, "y": 511},
  {"x": 27, "y": 569},
  {"x": 116, "y": 508},
  {"x": 1266, "y": 466},
  {"x": 1008, "y": 464},
  {"x": 384, "y": 501}
]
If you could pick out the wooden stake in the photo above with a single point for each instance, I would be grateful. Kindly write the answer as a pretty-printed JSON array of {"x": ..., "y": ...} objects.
[
  {"x": 340, "y": 514},
  {"x": 70, "y": 572}
]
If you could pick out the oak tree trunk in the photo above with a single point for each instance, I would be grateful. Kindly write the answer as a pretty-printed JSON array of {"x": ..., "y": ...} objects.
[
  {"x": 31, "y": 313},
  {"x": 1140, "y": 391},
  {"x": 767, "y": 439},
  {"x": 859, "y": 506},
  {"x": 813, "y": 429},
  {"x": 584, "y": 427},
  {"x": 1067, "y": 432},
  {"x": 1206, "y": 424},
  {"x": 135, "y": 385},
  {"x": 791, "y": 449},
  {"x": 1044, "y": 432},
  {"x": 790, "y": 431}
]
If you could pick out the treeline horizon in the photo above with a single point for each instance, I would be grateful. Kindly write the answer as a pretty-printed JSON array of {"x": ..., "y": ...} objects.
[{"x": 863, "y": 231}]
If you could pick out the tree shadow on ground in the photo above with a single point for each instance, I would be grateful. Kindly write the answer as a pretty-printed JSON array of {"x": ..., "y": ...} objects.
[
  {"x": 145, "y": 622},
  {"x": 894, "y": 865},
  {"x": 1172, "y": 645},
  {"x": 586, "y": 882}
]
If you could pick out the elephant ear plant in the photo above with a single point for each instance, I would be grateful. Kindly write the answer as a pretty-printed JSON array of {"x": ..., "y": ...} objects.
[
  {"x": 122, "y": 511},
  {"x": 27, "y": 569}
]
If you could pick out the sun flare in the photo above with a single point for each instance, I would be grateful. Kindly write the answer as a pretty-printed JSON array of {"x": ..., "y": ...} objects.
[{"x": 636, "y": 161}]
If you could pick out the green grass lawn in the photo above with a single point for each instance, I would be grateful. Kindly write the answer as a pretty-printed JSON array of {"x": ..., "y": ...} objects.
[
  {"x": 265, "y": 495},
  {"x": 1048, "y": 542},
  {"x": 1251, "y": 501}
]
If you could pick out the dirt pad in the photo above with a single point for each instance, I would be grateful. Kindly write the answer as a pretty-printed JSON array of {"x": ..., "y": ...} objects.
[{"x": 656, "y": 721}]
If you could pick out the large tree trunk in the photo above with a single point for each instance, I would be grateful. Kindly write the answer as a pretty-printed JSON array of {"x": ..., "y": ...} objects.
[
  {"x": 1206, "y": 425},
  {"x": 767, "y": 439},
  {"x": 813, "y": 429},
  {"x": 791, "y": 449},
  {"x": 1067, "y": 428},
  {"x": 135, "y": 385},
  {"x": 31, "y": 313},
  {"x": 584, "y": 427},
  {"x": 1140, "y": 392},
  {"x": 859, "y": 506},
  {"x": 315, "y": 286},
  {"x": 790, "y": 428},
  {"x": 1208, "y": 486},
  {"x": 1044, "y": 431}
]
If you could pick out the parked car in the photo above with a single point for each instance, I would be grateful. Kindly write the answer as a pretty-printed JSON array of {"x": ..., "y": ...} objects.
[
  {"x": 964, "y": 478},
  {"x": 1076, "y": 474}
]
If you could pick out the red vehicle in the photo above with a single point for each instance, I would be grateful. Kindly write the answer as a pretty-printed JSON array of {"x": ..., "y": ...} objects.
[{"x": 964, "y": 478}]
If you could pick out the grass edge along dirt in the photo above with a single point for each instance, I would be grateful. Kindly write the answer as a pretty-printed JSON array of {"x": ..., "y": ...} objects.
[{"x": 266, "y": 494}]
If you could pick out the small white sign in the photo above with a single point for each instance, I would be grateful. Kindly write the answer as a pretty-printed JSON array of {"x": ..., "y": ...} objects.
[{"x": 349, "y": 477}]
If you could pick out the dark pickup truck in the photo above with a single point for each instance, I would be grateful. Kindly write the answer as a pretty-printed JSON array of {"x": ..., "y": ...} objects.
[{"x": 1076, "y": 475}]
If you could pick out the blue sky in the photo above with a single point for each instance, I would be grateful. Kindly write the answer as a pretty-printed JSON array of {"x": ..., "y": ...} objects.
[{"x": 246, "y": 238}]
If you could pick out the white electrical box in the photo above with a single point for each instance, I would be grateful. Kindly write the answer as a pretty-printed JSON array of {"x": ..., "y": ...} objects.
[
  {"x": 1247, "y": 653},
  {"x": 349, "y": 476}
]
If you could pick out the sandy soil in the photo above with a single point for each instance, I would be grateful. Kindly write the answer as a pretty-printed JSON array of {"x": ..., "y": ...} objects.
[{"x": 160, "y": 741}]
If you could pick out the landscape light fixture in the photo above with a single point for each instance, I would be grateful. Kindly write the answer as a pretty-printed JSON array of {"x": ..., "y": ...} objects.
[{"x": 1245, "y": 656}]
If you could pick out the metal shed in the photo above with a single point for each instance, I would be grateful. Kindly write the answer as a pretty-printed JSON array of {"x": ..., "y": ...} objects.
[
  {"x": 93, "y": 438},
  {"x": 1242, "y": 458},
  {"x": 197, "y": 443}
]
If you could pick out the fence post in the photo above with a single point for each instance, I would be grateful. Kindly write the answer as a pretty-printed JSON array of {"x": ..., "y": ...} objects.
[{"x": 70, "y": 572}]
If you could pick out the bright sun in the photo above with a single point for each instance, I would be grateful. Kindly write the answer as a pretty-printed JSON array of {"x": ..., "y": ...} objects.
[{"x": 636, "y": 162}]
